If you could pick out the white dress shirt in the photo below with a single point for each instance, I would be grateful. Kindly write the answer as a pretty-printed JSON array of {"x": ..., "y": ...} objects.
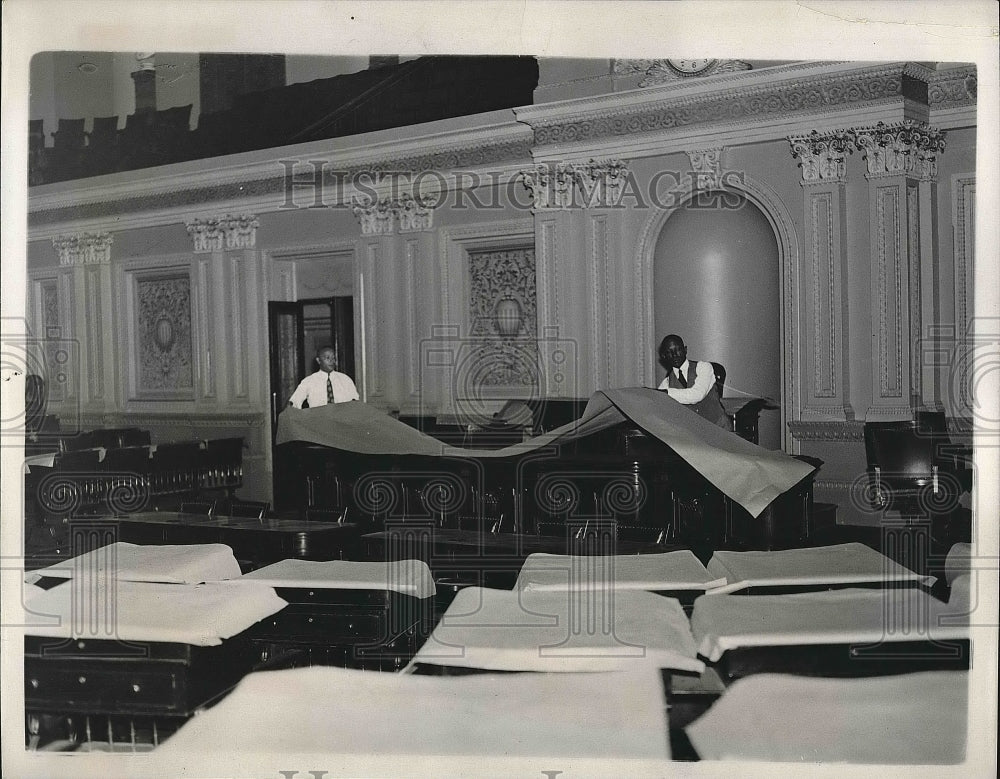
[
  {"x": 313, "y": 389},
  {"x": 704, "y": 381}
]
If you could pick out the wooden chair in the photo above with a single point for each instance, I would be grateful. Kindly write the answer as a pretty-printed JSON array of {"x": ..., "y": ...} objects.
[
  {"x": 720, "y": 378},
  {"x": 906, "y": 470}
]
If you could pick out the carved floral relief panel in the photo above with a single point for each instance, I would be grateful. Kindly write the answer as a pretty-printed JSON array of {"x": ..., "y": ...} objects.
[
  {"x": 503, "y": 313},
  {"x": 163, "y": 336}
]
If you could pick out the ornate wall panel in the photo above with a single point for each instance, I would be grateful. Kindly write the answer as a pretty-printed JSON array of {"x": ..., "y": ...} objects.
[
  {"x": 163, "y": 344},
  {"x": 502, "y": 309}
]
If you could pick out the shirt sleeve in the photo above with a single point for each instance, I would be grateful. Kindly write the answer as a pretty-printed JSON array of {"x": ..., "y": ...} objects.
[
  {"x": 350, "y": 388},
  {"x": 704, "y": 381},
  {"x": 300, "y": 394}
]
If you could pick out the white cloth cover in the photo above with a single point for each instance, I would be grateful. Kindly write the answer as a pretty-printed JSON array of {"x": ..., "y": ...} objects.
[
  {"x": 839, "y": 564},
  {"x": 410, "y": 577},
  {"x": 335, "y": 710},
  {"x": 590, "y": 630},
  {"x": 678, "y": 570},
  {"x": 171, "y": 563},
  {"x": 198, "y": 614},
  {"x": 958, "y": 562},
  {"x": 912, "y": 718},
  {"x": 723, "y": 622}
]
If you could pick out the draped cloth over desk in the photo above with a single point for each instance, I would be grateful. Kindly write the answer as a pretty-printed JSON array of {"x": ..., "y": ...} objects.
[
  {"x": 748, "y": 474},
  {"x": 338, "y": 711},
  {"x": 677, "y": 570},
  {"x": 101, "y": 608},
  {"x": 911, "y": 718},
  {"x": 410, "y": 577},
  {"x": 507, "y": 630},
  {"x": 723, "y": 622},
  {"x": 168, "y": 563},
  {"x": 823, "y": 565}
]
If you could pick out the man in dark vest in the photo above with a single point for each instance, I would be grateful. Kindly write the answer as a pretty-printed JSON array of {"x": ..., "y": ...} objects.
[{"x": 689, "y": 382}]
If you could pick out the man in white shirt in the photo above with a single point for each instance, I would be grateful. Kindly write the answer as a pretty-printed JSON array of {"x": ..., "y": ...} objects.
[
  {"x": 325, "y": 385},
  {"x": 689, "y": 382}
]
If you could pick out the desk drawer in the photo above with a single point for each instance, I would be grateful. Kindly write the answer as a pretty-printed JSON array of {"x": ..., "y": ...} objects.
[
  {"x": 326, "y": 627},
  {"x": 93, "y": 689}
]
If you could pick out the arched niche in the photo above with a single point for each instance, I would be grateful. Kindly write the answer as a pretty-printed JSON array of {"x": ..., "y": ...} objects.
[{"x": 717, "y": 283}]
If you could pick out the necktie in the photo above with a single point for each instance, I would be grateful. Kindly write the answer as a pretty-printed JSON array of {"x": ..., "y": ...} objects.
[
  {"x": 680, "y": 378},
  {"x": 329, "y": 389}
]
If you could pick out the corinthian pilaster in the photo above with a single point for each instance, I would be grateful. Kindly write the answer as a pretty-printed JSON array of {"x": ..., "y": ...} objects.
[
  {"x": 825, "y": 320},
  {"x": 414, "y": 215},
  {"x": 822, "y": 156},
  {"x": 84, "y": 249},
  {"x": 550, "y": 186},
  {"x": 901, "y": 160},
  {"x": 905, "y": 148},
  {"x": 375, "y": 216},
  {"x": 225, "y": 233},
  {"x": 707, "y": 167},
  {"x": 601, "y": 182}
]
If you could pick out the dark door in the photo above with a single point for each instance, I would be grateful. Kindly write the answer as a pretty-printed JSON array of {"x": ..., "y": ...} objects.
[{"x": 296, "y": 330}]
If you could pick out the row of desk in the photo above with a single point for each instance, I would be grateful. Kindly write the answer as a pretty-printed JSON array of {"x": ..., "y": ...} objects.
[{"x": 622, "y": 648}]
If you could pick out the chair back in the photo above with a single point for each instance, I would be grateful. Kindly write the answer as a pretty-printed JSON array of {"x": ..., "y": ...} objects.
[
  {"x": 901, "y": 450},
  {"x": 332, "y": 514},
  {"x": 252, "y": 509},
  {"x": 198, "y": 507},
  {"x": 720, "y": 377}
]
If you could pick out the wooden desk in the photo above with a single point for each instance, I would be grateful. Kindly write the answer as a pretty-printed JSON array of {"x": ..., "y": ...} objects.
[{"x": 257, "y": 541}]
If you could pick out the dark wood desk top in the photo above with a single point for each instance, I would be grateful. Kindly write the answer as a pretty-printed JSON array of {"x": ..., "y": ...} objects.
[
  {"x": 266, "y": 525},
  {"x": 514, "y": 542}
]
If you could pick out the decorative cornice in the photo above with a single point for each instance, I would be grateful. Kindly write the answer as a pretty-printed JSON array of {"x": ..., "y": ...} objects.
[
  {"x": 707, "y": 167},
  {"x": 555, "y": 185},
  {"x": 267, "y": 180},
  {"x": 822, "y": 155},
  {"x": 623, "y": 114},
  {"x": 906, "y": 148},
  {"x": 84, "y": 249},
  {"x": 659, "y": 71},
  {"x": 802, "y": 430},
  {"x": 953, "y": 87},
  {"x": 226, "y": 233}
]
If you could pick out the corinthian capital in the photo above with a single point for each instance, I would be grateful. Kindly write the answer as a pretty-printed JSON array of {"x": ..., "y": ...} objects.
[
  {"x": 376, "y": 216},
  {"x": 823, "y": 155},
  {"x": 414, "y": 214},
  {"x": 84, "y": 249},
  {"x": 904, "y": 148},
  {"x": 223, "y": 233},
  {"x": 550, "y": 186},
  {"x": 707, "y": 167},
  {"x": 601, "y": 182}
]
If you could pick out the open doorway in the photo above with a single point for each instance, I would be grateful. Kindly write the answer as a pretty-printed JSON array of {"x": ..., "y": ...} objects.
[{"x": 296, "y": 331}]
